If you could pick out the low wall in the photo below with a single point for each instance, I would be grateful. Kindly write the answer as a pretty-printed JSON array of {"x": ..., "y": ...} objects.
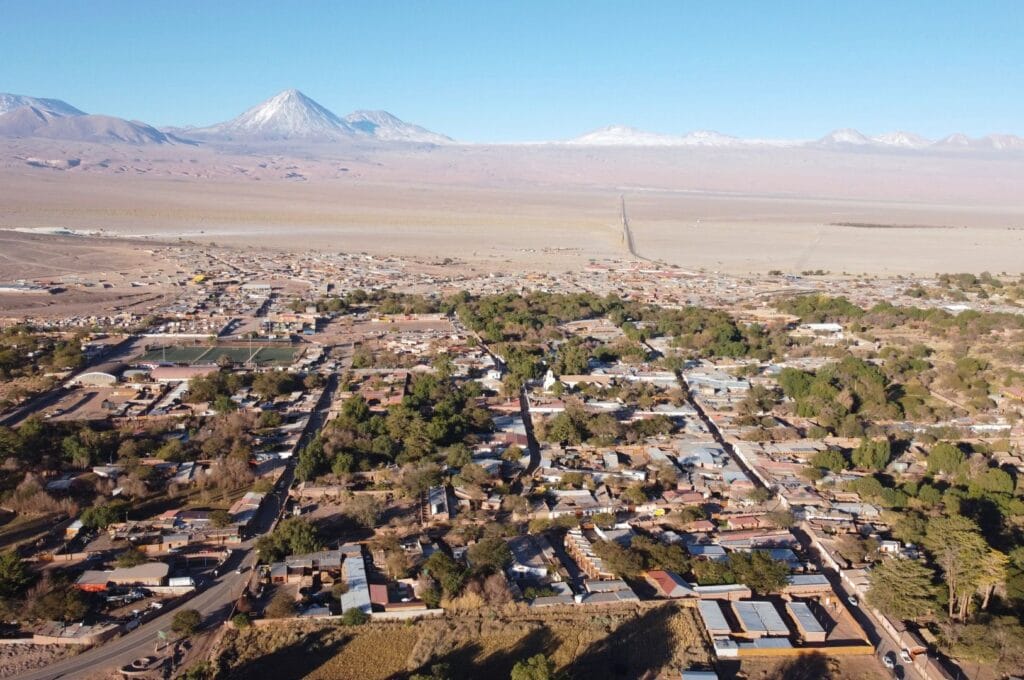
[
  {"x": 838, "y": 650},
  {"x": 81, "y": 640},
  {"x": 407, "y": 615},
  {"x": 65, "y": 557}
]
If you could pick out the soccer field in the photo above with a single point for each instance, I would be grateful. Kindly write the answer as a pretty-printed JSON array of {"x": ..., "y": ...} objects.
[{"x": 260, "y": 355}]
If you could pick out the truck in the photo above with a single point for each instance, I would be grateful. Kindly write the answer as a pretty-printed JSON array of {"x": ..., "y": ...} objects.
[{"x": 181, "y": 582}]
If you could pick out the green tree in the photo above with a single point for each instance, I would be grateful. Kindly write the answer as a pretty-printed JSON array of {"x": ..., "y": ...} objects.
[
  {"x": 64, "y": 603},
  {"x": 993, "y": 571},
  {"x": 15, "y": 577},
  {"x": 959, "y": 549},
  {"x": 489, "y": 554},
  {"x": 186, "y": 622},
  {"x": 312, "y": 461},
  {"x": 622, "y": 561},
  {"x": 102, "y": 516},
  {"x": 220, "y": 518},
  {"x": 223, "y": 404},
  {"x": 537, "y": 667},
  {"x": 782, "y": 519},
  {"x": 830, "y": 460},
  {"x": 293, "y": 536},
  {"x": 758, "y": 571},
  {"x": 901, "y": 589},
  {"x": 132, "y": 557},
  {"x": 512, "y": 454},
  {"x": 445, "y": 571},
  {"x": 872, "y": 454},
  {"x": 992, "y": 480},
  {"x": 945, "y": 458}
]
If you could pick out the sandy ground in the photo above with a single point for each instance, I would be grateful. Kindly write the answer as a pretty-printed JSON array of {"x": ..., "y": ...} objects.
[
  {"x": 16, "y": 659},
  {"x": 547, "y": 207}
]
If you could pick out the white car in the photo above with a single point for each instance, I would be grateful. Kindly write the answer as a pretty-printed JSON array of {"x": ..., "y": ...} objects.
[
  {"x": 852, "y": 600},
  {"x": 889, "y": 660},
  {"x": 905, "y": 656}
]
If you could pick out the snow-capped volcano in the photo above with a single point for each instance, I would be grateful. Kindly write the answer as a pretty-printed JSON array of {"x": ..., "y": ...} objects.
[
  {"x": 293, "y": 115},
  {"x": 53, "y": 107},
  {"x": 287, "y": 115},
  {"x": 384, "y": 126}
]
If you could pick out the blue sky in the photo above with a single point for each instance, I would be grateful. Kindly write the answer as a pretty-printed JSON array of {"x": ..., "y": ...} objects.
[{"x": 514, "y": 71}]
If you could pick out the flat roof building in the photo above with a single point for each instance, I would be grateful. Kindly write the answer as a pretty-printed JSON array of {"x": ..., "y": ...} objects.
[
  {"x": 807, "y": 623},
  {"x": 759, "y": 618},
  {"x": 713, "y": 617}
]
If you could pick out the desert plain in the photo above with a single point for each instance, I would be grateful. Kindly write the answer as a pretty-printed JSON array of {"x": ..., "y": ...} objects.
[{"x": 549, "y": 206}]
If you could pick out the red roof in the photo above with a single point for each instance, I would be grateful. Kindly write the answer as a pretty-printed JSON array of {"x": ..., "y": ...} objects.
[
  {"x": 378, "y": 593},
  {"x": 666, "y": 581}
]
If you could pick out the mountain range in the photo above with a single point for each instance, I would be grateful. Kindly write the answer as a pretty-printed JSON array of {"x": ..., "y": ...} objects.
[
  {"x": 292, "y": 116},
  {"x": 843, "y": 139},
  {"x": 289, "y": 115}
]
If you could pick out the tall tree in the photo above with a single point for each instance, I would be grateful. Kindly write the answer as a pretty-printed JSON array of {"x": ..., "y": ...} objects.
[
  {"x": 901, "y": 588},
  {"x": 993, "y": 571},
  {"x": 959, "y": 549}
]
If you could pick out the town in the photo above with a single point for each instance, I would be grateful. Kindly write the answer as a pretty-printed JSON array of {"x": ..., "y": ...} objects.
[{"x": 434, "y": 471}]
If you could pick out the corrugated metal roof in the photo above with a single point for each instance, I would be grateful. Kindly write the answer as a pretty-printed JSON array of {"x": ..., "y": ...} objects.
[
  {"x": 714, "y": 619},
  {"x": 803, "y": 615}
]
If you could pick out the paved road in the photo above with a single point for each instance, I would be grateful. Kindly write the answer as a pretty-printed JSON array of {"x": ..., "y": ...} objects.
[
  {"x": 877, "y": 634},
  {"x": 215, "y": 603},
  {"x": 124, "y": 350}
]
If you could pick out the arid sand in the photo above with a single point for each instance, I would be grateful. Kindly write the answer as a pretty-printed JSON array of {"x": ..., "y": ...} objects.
[{"x": 547, "y": 207}]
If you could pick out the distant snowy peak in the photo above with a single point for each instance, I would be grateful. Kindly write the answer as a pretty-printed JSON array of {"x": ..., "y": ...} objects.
[
  {"x": 844, "y": 137},
  {"x": 622, "y": 135},
  {"x": 991, "y": 142},
  {"x": 901, "y": 139},
  {"x": 53, "y": 107},
  {"x": 387, "y": 127},
  {"x": 34, "y": 117},
  {"x": 287, "y": 115}
]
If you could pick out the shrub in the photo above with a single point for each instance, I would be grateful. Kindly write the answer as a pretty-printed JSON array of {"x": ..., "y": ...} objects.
[
  {"x": 186, "y": 621},
  {"x": 354, "y": 617}
]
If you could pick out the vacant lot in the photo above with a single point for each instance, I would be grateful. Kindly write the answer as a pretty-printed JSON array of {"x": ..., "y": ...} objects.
[
  {"x": 806, "y": 667},
  {"x": 625, "y": 642}
]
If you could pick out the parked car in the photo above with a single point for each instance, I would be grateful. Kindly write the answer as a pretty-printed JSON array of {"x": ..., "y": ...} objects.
[
  {"x": 889, "y": 660},
  {"x": 905, "y": 656},
  {"x": 852, "y": 599}
]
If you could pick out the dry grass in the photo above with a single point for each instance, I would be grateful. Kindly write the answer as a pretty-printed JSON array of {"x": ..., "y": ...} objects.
[
  {"x": 810, "y": 667},
  {"x": 625, "y": 641},
  {"x": 375, "y": 653}
]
